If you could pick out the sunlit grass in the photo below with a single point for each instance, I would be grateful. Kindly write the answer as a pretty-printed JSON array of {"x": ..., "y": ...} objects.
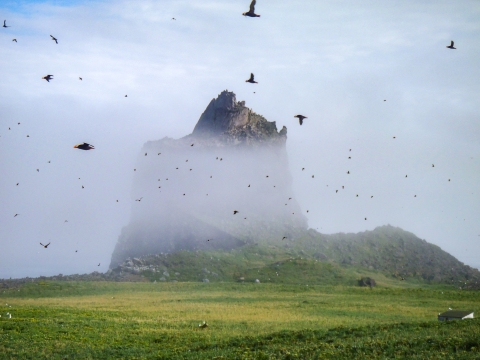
[{"x": 148, "y": 320}]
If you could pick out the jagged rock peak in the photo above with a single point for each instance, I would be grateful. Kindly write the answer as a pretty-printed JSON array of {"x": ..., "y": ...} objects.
[{"x": 231, "y": 119}]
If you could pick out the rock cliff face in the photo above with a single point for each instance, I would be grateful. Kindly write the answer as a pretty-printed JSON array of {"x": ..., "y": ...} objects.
[{"x": 234, "y": 160}]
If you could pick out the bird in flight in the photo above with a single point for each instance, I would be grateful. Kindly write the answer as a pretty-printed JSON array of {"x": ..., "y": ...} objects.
[
  {"x": 251, "y": 11},
  {"x": 48, "y": 77},
  {"x": 139, "y": 199},
  {"x": 84, "y": 146},
  {"x": 80, "y": 78},
  {"x": 54, "y": 38},
  {"x": 98, "y": 264},
  {"x": 4, "y": 24},
  {"x": 16, "y": 215},
  {"x": 45, "y": 246},
  {"x": 235, "y": 212},
  {"x": 448, "y": 47},
  {"x": 14, "y": 40},
  {"x": 251, "y": 80},
  {"x": 300, "y": 118}
]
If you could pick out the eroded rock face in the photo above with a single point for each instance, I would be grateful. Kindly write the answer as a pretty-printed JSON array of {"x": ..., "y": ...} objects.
[{"x": 234, "y": 160}]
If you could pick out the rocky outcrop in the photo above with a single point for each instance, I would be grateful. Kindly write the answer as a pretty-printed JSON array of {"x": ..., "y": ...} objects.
[{"x": 189, "y": 188}]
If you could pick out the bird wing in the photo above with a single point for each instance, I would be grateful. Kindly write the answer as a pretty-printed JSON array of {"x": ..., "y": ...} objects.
[
  {"x": 4, "y": 22},
  {"x": 451, "y": 43},
  {"x": 251, "y": 74},
  {"x": 252, "y": 6},
  {"x": 300, "y": 120}
]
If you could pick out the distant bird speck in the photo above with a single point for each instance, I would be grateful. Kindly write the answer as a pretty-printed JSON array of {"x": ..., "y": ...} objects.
[
  {"x": 235, "y": 212},
  {"x": 45, "y": 246},
  {"x": 54, "y": 39},
  {"x": 80, "y": 78},
  {"x": 16, "y": 215},
  {"x": 84, "y": 146},
  {"x": 5, "y": 24},
  {"x": 451, "y": 45},
  {"x": 300, "y": 118},
  {"x": 14, "y": 40},
  {"x": 251, "y": 79},
  {"x": 251, "y": 11},
  {"x": 139, "y": 199},
  {"x": 145, "y": 154},
  {"x": 48, "y": 77}
]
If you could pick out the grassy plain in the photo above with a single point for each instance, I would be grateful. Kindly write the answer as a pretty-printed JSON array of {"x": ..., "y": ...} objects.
[{"x": 104, "y": 320}]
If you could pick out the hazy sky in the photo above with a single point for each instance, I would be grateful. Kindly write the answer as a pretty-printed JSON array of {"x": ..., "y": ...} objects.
[{"x": 333, "y": 61}]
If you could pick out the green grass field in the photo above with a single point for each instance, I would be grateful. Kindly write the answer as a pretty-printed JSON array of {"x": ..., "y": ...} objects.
[{"x": 103, "y": 320}]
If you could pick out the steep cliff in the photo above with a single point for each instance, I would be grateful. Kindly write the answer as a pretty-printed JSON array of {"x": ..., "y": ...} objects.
[{"x": 234, "y": 160}]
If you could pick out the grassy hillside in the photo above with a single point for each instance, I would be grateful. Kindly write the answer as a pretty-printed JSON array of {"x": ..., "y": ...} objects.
[
  {"x": 387, "y": 254},
  {"x": 100, "y": 320}
]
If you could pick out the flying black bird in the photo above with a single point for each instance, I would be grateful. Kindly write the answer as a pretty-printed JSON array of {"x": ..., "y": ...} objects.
[
  {"x": 251, "y": 12},
  {"x": 48, "y": 77},
  {"x": 98, "y": 264},
  {"x": 139, "y": 199},
  {"x": 45, "y": 246},
  {"x": 251, "y": 80},
  {"x": 126, "y": 96},
  {"x": 235, "y": 212},
  {"x": 348, "y": 172},
  {"x": 16, "y": 215},
  {"x": 300, "y": 118},
  {"x": 433, "y": 165},
  {"x": 303, "y": 169},
  {"x": 448, "y": 47},
  {"x": 4, "y": 24},
  {"x": 84, "y": 146},
  {"x": 80, "y": 78},
  {"x": 19, "y": 183},
  {"x": 248, "y": 185},
  {"x": 54, "y": 39},
  {"x": 14, "y": 40},
  {"x": 192, "y": 144},
  {"x": 145, "y": 154},
  {"x": 284, "y": 238}
]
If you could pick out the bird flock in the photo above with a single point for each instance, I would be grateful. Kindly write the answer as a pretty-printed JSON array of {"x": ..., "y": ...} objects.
[{"x": 85, "y": 146}]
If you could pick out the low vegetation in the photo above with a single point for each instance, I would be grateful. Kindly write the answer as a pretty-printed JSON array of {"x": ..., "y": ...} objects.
[{"x": 101, "y": 320}]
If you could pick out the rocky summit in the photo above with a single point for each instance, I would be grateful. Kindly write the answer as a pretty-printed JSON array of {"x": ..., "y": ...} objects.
[{"x": 225, "y": 185}]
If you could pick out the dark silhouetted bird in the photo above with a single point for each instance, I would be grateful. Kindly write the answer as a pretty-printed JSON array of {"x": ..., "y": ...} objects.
[
  {"x": 139, "y": 199},
  {"x": 98, "y": 264},
  {"x": 192, "y": 144},
  {"x": 14, "y": 40},
  {"x": 54, "y": 39},
  {"x": 336, "y": 191},
  {"x": 300, "y": 118},
  {"x": 48, "y": 77},
  {"x": 451, "y": 45},
  {"x": 248, "y": 185},
  {"x": 303, "y": 169},
  {"x": 16, "y": 215},
  {"x": 433, "y": 165},
  {"x": 174, "y": 19},
  {"x": 83, "y": 187},
  {"x": 365, "y": 218},
  {"x": 45, "y": 246},
  {"x": 284, "y": 238},
  {"x": 251, "y": 11},
  {"x": 348, "y": 172},
  {"x": 80, "y": 78},
  {"x": 313, "y": 176},
  {"x": 251, "y": 80},
  {"x": 19, "y": 183},
  {"x": 5, "y": 24},
  {"x": 126, "y": 96},
  {"x": 394, "y": 137},
  {"x": 84, "y": 146},
  {"x": 307, "y": 211},
  {"x": 235, "y": 212}
]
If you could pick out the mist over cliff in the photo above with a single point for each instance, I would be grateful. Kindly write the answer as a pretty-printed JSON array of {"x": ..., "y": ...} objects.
[{"x": 186, "y": 190}]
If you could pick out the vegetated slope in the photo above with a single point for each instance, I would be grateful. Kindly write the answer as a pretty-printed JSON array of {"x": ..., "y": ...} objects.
[
  {"x": 314, "y": 259},
  {"x": 393, "y": 251}
]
